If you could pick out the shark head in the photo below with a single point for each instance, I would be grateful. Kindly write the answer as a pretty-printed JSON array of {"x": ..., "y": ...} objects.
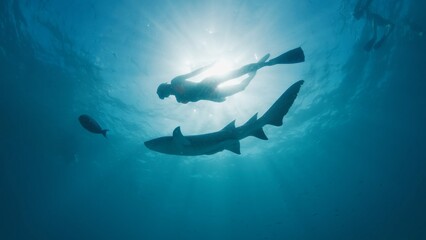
[
  {"x": 175, "y": 144},
  {"x": 162, "y": 145}
]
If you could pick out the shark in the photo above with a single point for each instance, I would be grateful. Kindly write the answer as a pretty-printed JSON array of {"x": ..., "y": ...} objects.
[{"x": 229, "y": 137}]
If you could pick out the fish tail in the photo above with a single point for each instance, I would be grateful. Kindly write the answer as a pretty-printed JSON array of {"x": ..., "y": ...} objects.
[{"x": 104, "y": 132}]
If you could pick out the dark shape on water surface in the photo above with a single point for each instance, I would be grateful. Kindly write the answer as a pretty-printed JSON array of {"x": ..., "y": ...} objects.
[
  {"x": 229, "y": 137},
  {"x": 91, "y": 125},
  {"x": 381, "y": 25}
]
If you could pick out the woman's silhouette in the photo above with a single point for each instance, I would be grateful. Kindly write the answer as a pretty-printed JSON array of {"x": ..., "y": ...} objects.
[{"x": 207, "y": 89}]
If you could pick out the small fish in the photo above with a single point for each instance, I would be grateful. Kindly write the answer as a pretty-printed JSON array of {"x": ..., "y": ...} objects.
[{"x": 91, "y": 125}]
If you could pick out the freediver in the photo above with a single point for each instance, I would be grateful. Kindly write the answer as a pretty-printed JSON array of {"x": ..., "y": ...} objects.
[
  {"x": 362, "y": 8},
  {"x": 186, "y": 91}
]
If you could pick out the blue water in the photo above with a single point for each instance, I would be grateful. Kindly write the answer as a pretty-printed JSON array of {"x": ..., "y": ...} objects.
[{"x": 348, "y": 163}]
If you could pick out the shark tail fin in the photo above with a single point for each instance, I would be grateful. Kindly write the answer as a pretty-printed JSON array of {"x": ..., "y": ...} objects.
[
  {"x": 104, "y": 132},
  {"x": 275, "y": 114},
  {"x": 234, "y": 147}
]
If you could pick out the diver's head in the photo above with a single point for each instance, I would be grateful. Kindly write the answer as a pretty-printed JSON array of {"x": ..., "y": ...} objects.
[{"x": 164, "y": 90}]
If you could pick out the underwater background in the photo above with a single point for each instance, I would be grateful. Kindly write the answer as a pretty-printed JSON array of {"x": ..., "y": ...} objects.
[{"x": 348, "y": 163}]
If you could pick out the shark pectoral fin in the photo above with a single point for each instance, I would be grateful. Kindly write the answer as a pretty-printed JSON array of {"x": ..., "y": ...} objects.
[
  {"x": 229, "y": 127},
  {"x": 179, "y": 138},
  {"x": 259, "y": 133},
  {"x": 234, "y": 146}
]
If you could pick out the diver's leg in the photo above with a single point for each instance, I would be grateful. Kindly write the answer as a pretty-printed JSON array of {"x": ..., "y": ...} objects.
[
  {"x": 388, "y": 30},
  {"x": 249, "y": 68},
  {"x": 369, "y": 45},
  {"x": 253, "y": 67},
  {"x": 196, "y": 71},
  {"x": 231, "y": 90}
]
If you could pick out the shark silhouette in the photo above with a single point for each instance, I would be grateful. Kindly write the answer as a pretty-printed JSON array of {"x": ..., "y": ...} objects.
[{"x": 229, "y": 137}]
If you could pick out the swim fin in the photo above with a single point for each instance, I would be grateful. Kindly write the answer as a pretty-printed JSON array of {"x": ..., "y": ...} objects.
[
  {"x": 293, "y": 56},
  {"x": 104, "y": 132},
  {"x": 264, "y": 58}
]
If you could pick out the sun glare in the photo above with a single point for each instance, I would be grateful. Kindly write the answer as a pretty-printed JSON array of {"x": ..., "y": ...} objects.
[
  {"x": 220, "y": 67},
  {"x": 224, "y": 54}
]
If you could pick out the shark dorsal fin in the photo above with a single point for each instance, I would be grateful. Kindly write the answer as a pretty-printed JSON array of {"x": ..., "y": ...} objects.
[
  {"x": 234, "y": 146},
  {"x": 251, "y": 120},
  {"x": 229, "y": 127},
  {"x": 179, "y": 138}
]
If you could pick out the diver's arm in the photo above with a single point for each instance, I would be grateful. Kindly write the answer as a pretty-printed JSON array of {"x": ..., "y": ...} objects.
[
  {"x": 224, "y": 92},
  {"x": 195, "y": 72},
  {"x": 181, "y": 100}
]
